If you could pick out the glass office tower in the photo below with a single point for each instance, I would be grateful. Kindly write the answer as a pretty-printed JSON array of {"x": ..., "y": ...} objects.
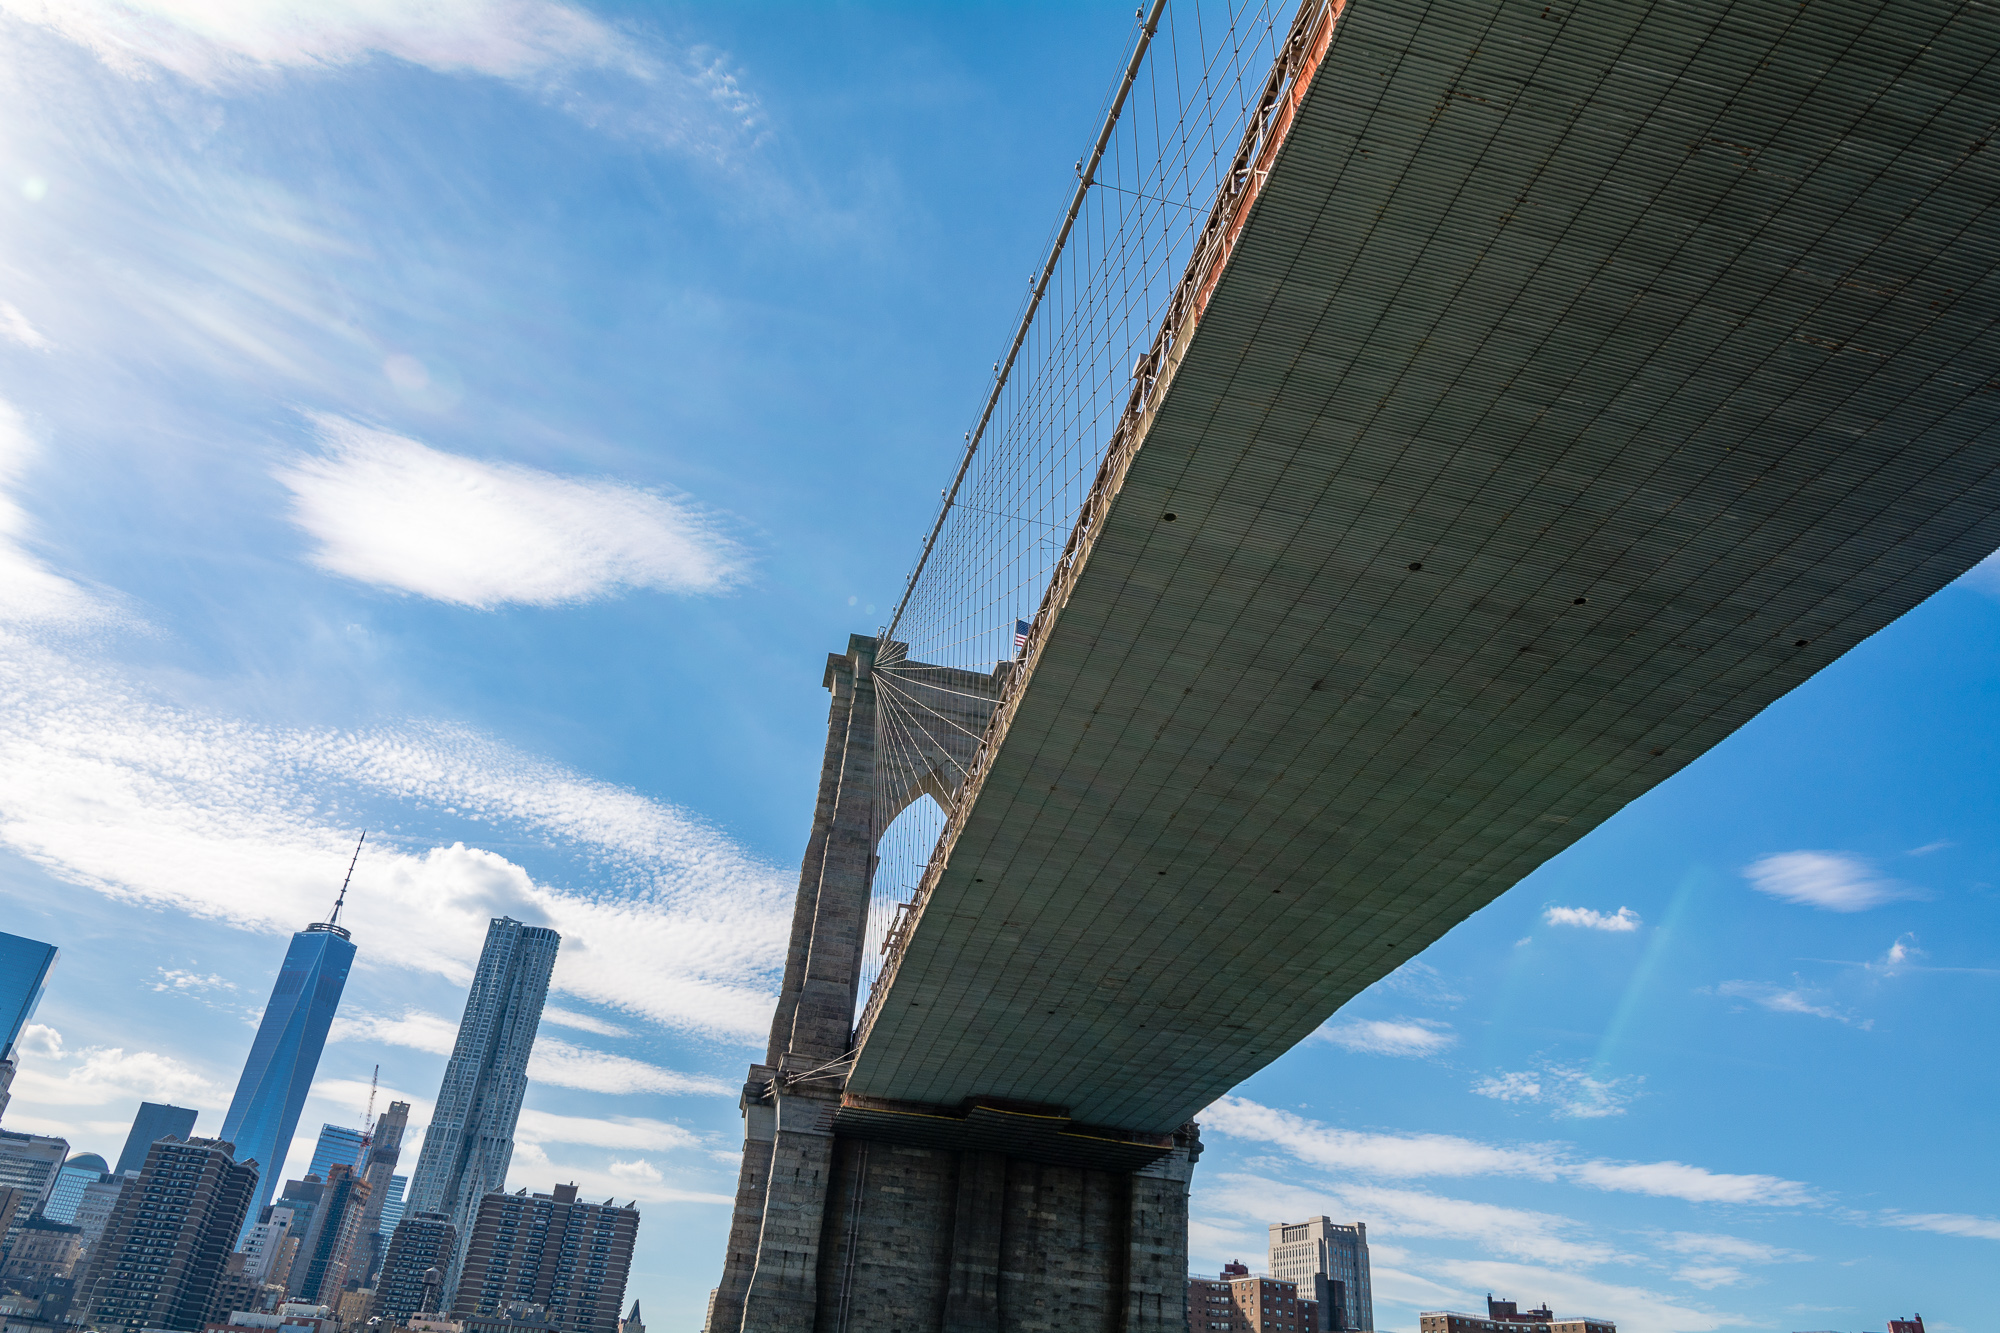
[
  {"x": 265, "y": 1111},
  {"x": 24, "y": 971},
  {"x": 338, "y": 1145},
  {"x": 155, "y": 1120},
  {"x": 470, "y": 1142}
]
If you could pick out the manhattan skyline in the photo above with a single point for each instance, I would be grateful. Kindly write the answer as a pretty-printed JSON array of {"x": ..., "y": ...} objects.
[{"x": 697, "y": 302}]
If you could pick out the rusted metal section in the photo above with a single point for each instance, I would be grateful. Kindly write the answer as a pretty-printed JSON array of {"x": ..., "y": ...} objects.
[{"x": 1291, "y": 76}]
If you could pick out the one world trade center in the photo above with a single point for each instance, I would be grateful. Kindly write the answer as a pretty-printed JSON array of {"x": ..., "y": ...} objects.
[{"x": 265, "y": 1111}]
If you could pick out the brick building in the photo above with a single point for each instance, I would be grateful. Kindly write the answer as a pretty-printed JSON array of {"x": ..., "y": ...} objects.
[
  {"x": 1236, "y": 1302},
  {"x": 1507, "y": 1317},
  {"x": 550, "y": 1250},
  {"x": 167, "y": 1245},
  {"x": 413, "y": 1270}
]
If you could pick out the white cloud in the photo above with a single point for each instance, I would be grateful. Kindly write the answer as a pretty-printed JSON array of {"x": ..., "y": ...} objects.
[
  {"x": 1784, "y": 1000},
  {"x": 1710, "y": 1245},
  {"x": 1409, "y": 1155},
  {"x": 553, "y": 1061},
  {"x": 1519, "y": 1086},
  {"x": 1633, "y": 1309},
  {"x": 1947, "y": 1224},
  {"x": 1831, "y": 881},
  {"x": 637, "y": 1178},
  {"x": 1420, "y": 981},
  {"x": 397, "y": 514},
  {"x": 180, "y": 980},
  {"x": 42, "y": 1040},
  {"x": 1678, "y": 1180},
  {"x": 1570, "y": 1091},
  {"x": 107, "y": 1073},
  {"x": 569, "y": 1018},
  {"x": 212, "y": 41},
  {"x": 15, "y": 328},
  {"x": 631, "y": 1133},
  {"x": 1376, "y": 1154},
  {"x": 108, "y": 788},
  {"x": 1624, "y": 920},
  {"x": 1519, "y": 1232},
  {"x": 570, "y": 1066},
  {"x": 604, "y": 76},
  {"x": 416, "y": 1029},
  {"x": 1709, "y": 1276},
  {"x": 1408, "y": 1036}
]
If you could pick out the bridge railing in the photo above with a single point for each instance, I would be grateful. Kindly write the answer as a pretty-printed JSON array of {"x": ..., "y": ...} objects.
[{"x": 948, "y": 624}]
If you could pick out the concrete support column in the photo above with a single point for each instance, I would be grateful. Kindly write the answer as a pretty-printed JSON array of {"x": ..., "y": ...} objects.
[{"x": 1156, "y": 1240}]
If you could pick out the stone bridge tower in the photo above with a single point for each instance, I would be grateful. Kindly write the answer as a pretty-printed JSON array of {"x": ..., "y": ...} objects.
[{"x": 853, "y": 1217}]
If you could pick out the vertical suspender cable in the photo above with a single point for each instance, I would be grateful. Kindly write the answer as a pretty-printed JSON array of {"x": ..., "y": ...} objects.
[{"x": 1083, "y": 185}]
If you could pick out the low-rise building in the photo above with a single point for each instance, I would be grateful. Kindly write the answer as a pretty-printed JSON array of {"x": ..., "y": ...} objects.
[
  {"x": 1237, "y": 1302},
  {"x": 1508, "y": 1317},
  {"x": 43, "y": 1249},
  {"x": 290, "y": 1317}
]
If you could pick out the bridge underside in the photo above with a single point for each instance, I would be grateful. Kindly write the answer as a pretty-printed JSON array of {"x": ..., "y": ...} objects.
[{"x": 1584, "y": 378}]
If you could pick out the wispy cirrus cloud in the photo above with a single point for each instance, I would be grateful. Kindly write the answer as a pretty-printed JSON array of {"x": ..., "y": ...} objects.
[
  {"x": 31, "y": 594},
  {"x": 396, "y": 514},
  {"x": 572, "y": 1066},
  {"x": 554, "y": 1060},
  {"x": 570, "y": 1018},
  {"x": 1404, "y": 1036},
  {"x": 627, "y": 1133},
  {"x": 604, "y": 74},
  {"x": 1623, "y": 921},
  {"x": 1416, "y": 1155},
  {"x": 1830, "y": 881},
  {"x": 1793, "y": 999},
  {"x": 1947, "y": 1224},
  {"x": 15, "y": 328}
]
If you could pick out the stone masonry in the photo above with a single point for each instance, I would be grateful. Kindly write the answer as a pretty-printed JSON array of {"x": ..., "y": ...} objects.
[{"x": 887, "y": 1228}]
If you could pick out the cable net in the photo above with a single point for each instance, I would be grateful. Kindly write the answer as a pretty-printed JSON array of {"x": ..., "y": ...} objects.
[{"x": 1180, "y": 162}]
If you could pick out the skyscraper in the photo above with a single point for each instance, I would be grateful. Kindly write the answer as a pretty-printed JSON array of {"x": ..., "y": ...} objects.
[
  {"x": 570, "y": 1258},
  {"x": 264, "y": 1113},
  {"x": 1329, "y": 1262},
  {"x": 378, "y": 1166},
  {"x": 337, "y": 1144},
  {"x": 327, "y": 1250},
  {"x": 470, "y": 1141},
  {"x": 167, "y": 1244},
  {"x": 155, "y": 1120},
  {"x": 24, "y": 971}
]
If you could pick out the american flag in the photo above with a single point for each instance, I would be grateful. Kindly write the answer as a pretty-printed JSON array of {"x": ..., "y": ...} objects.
[{"x": 1021, "y": 628}]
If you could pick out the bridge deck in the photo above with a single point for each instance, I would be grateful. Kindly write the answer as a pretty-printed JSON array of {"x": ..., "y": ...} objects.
[{"x": 1585, "y": 378}]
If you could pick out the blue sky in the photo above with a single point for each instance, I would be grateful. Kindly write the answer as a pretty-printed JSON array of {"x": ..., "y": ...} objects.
[{"x": 475, "y": 421}]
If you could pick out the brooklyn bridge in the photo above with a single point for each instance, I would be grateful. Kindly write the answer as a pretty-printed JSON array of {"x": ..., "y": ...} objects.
[{"x": 1429, "y": 427}]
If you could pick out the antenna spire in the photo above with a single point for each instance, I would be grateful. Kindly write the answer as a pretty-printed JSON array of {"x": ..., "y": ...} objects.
[{"x": 341, "y": 901}]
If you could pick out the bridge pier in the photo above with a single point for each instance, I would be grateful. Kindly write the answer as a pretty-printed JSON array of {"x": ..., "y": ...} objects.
[{"x": 985, "y": 1218}]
